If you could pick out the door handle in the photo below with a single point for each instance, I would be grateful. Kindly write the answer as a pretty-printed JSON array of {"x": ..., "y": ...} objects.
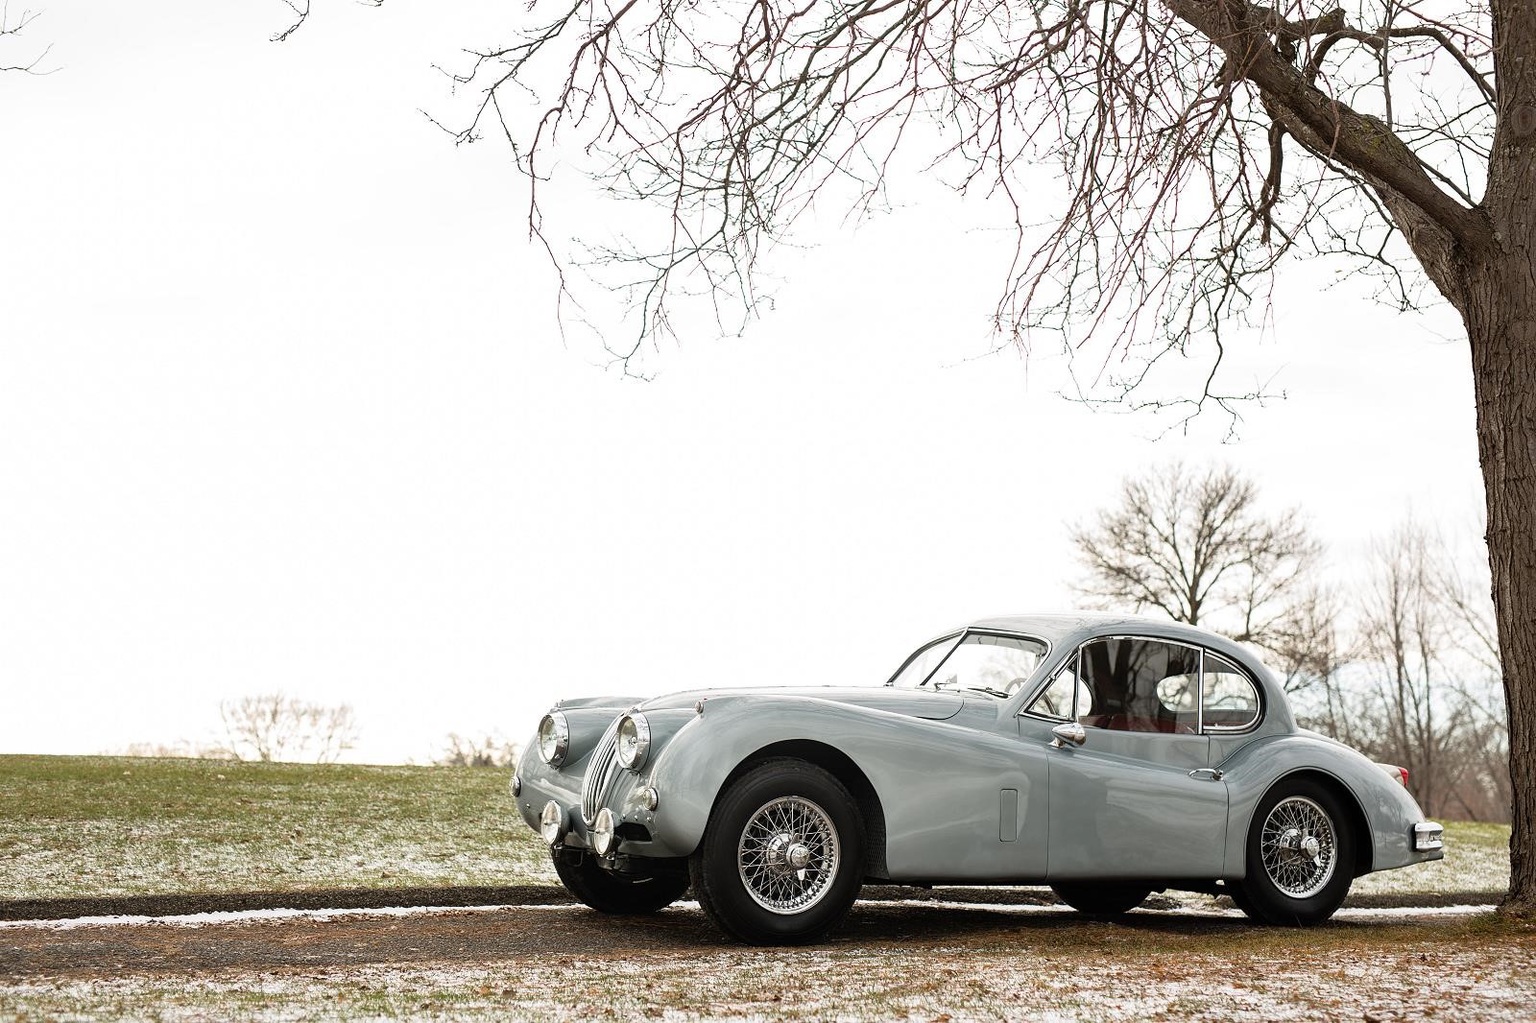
[{"x": 1209, "y": 773}]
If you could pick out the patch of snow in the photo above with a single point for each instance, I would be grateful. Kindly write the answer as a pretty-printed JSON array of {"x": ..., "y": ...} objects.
[
  {"x": 258, "y": 915},
  {"x": 263, "y": 915}
]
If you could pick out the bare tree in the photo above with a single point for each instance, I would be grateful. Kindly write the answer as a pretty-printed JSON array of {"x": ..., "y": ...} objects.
[
  {"x": 1202, "y": 144},
  {"x": 1406, "y": 644},
  {"x": 1412, "y": 683},
  {"x": 182, "y": 748},
  {"x": 1307, "y": 644},
  {"x": 487, "y": 751},
  {"x": 274, "y": 726},
  {"x": 1196, "y": 547},
  {"x": 1463, "y": 585}
]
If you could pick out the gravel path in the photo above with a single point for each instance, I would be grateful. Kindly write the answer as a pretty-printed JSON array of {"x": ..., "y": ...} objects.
[{"x": 913, "y": 959}]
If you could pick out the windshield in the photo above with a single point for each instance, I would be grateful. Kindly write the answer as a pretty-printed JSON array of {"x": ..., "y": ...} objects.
[{"x": 978, "y": 661}]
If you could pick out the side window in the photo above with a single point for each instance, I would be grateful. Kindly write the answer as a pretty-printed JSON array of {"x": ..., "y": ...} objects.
[
  {"x": 1141, "y": 685},
  {"x": 1056, "y": 699},
  {"x": 1231, "y": 699}
]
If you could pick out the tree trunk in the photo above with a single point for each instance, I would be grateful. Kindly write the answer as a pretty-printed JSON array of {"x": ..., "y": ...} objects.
[{"x": 1501, "y": 326}]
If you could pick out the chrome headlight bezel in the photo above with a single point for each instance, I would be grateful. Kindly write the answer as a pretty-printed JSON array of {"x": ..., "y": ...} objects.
[
  {"x": 633, "y": 741},
  {"x": 554, "y": 738}
]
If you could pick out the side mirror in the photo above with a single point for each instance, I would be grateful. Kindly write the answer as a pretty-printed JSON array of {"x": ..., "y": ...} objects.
[{"x": 1071, "y": 732}]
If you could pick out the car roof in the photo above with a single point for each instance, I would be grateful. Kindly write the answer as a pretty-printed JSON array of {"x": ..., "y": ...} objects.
[
  {"x": 1066, "y": 630},
  {"x": 1074, "y": 627},
  {"x": 1060, "y": 624}
]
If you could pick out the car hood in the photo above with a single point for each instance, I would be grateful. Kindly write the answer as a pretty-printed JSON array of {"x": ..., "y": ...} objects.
[{"x": 933, "y": 706}]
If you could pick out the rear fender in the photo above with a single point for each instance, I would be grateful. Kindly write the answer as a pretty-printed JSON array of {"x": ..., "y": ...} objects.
[{"x": 1385, "y": 807}]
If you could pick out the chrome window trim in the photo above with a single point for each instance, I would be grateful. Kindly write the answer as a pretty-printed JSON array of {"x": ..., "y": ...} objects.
[
  {"x": 1258, "y": 691},
  {"x": 1205, "y": 730},
  {"x": 1074, "y": 662},
  {"x": 956, "y": 637},
  {"x": 960, "y": 637}
]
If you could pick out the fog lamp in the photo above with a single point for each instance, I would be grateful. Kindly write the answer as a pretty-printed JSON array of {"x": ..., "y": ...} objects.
[
  {"x": 603, "y": 837},
  {"x": 552, "y": 823}
]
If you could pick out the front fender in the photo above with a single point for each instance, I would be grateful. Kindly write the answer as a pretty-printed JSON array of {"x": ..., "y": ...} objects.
[{"x": 937, "y": 824}]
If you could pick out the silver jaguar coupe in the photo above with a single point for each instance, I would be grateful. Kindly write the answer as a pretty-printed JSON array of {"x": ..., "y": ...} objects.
[{"x": 1105, "y": 756}]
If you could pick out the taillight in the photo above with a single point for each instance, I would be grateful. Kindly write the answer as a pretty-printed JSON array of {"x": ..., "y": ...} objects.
[{"x": 1402, "y": 776}]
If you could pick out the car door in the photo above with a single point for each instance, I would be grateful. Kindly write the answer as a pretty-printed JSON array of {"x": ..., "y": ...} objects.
[{"x": 1136, "y": 797}]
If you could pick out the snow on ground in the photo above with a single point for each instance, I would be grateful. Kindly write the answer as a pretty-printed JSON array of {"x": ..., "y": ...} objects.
[
  {"x": 1487, "y": 978},
  {"x": 1206, "y": 907}
]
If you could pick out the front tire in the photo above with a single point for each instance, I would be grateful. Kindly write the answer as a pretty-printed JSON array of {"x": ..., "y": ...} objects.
[
  {"x": 1102, "y": 900},
  {"x": 783, "y": 856},
  {"x": 1301, "y": 856},
  {"x": 618, "y": 894}
]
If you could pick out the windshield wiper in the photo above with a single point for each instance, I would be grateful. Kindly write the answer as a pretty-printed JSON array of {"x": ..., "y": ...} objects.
[{"x": 988, "y": 690}]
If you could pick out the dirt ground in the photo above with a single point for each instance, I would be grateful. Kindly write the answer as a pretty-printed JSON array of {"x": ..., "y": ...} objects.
[{"x": 935, "y": 961}]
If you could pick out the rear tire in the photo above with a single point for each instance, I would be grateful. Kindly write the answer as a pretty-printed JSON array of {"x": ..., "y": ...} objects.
[
  {"x": 783, "y": 856},
  {"x": 1102, "y": 900},
  {"x": 619, "y": 894},
  {"x": 1301, "y": 856}
]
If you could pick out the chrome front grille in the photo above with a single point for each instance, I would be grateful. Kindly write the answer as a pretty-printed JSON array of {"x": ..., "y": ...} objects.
[{"x": 601, "y": 770}]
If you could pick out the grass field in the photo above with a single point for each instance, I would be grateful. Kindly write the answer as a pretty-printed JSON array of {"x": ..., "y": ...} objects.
[
  {"x": 115, "y": 826},
  {"x": 107, "y": 826}
]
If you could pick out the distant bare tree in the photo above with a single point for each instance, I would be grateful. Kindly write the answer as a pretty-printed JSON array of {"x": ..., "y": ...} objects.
[
  {"x": 185, "y": 748},
  {"x": 1406, "y": 640},
  {"x": 1307, "y": 642},
  {"x": 488, "y": 751},
  {"x": 273, "y": 726},
  {"x": 1195, "y": 546},
  {"x": 1487, "y": 793},
  {"x": 1412, "y": 681}
]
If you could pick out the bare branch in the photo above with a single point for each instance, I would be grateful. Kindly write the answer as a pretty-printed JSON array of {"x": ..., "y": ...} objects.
[{"x": 14, "y": 28}]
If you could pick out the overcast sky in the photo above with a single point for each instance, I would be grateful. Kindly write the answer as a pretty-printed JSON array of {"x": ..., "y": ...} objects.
[{"x": 284, "y": 406}]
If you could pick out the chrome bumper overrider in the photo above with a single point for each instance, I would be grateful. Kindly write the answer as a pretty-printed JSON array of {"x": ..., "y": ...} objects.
[{"x": 1428, "y": 836}]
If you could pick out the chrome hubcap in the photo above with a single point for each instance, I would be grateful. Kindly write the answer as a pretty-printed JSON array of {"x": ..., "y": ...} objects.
[
  {"x": 1298, "y": 847},
  {"x": 788, "y": 855}
]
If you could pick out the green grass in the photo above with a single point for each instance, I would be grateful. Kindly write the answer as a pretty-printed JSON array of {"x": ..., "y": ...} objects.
[
  {"x": 1476, "y": 859},
  {"x": 108, "y": 826},
  {"x": 113, "y": 826}
]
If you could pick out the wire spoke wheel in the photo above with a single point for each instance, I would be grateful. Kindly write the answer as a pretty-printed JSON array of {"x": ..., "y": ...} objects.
[
  {"x": 788, "y": 855},
  {"x": 1299, "y": 847}
]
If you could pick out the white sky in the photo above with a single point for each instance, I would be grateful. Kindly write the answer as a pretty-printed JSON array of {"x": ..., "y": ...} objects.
[{"x": 283, "y": 406}]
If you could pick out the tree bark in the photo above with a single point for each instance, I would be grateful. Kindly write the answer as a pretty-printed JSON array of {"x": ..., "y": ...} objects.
[
  {"x": 1500, "y": 314},
  {"x": 1501, "y": 326}
]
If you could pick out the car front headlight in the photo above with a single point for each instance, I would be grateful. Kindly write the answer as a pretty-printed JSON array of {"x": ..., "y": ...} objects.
[
  {"x": 554, "y": 738},
  {"x": 634, "y": 740}
]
